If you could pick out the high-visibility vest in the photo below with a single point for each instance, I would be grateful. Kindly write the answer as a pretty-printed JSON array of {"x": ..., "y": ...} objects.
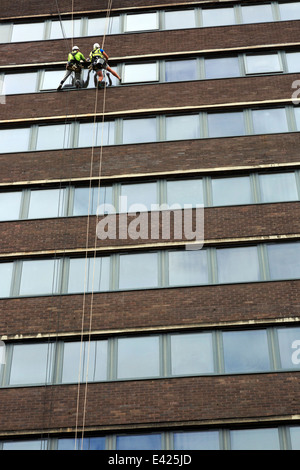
[
  {"x": 76, "y": 57},
  {"x": 97, "y": 53}
]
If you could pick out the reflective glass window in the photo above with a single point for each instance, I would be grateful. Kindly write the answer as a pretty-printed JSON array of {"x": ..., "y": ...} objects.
[
  {"x": 293, "y": 61},
  {"x": 135, "y": 73},
  {"x": 39, "y": 277},
  {"x": 138, "y": 197},
  {"x": 289, "y": 11},
  {"x": 139, "y": 130},
  {"x": 289, "y": 347},
  {"x": 222, "y": 67},
  {"x": 297, "y": 116},
  {"x": 139, "y": 442},
  {"x": 257, "y": 13},
  {"x": 266, "y": 63},
  {"x": 183, "y": 127},
  {"x": 295, "y": 437},
  {"x": 10, "y": 205},
  {"x": 192, "y": 354},
  {"x": 231, "y": 191},
  {"x": 246, "y": 351},
  {"x": 86, "y": 361},
  {"x": 96, "y": 134},
  {"x": 25, "y": 445},
  {"x": 53, "y": 137},
  {"x": 180, "y": 19},
  {"x": 5, "y": 31},
  {"x": 185, "y": 192},
  {"x": 238, "y": 264},
  {"x": 225, "y": 124},
  {"x": 89, "y": 275},
  {"x": 255, "y": 439},
  {"x": 15, "y": 83},
  {"x": 87, "y": 443},
  {"x": 27, "y": 32},
  {"x": 6, "y": 270},
  {"x": 218, "y": 17},
  {"x": 138, "y": 357},
  {"x": 268, "y": 121},
  {"x": 14, "y": 140},
  {"x": 138, "y": 270},
  {"x": 141, "y": 22},
  {"x": 89, "y": 201},
  {"x": 31, "y": 364},
  {"x": 101, "y": 26},
  {"x": 178, "y": 70},
  {"x": 284, "y": 260},
  {"x": 196, "y": 440},
  {"x": 46, "y": 203},
  {"x": 188, "y": 268},
  {"x": 65, "y": 29},
  {"x": 278, "y": 187},
  {"x": 52, "y": 79}
]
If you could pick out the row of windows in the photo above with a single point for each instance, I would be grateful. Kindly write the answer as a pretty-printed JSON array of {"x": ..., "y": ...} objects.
[
  {"x": 200, "y": 68},
  {"x": 152, "y": 356},
  {"x": 151, "y": 21},
  {"x": 151, "y": 129},
  {"x": 270, "y": 438},
  {"x": 149, "y": 196},
  {"x": 147, "y": 270}
]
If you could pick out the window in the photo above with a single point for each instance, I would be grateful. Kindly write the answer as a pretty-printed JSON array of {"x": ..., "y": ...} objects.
[
  {"x": 196, "y": 440},
  {"x": 6, "y": 270},
  {"x": 295, "y": 437},
  {"x": 297, "y": 116},
  {"x": 65, "y": 29},
  {"x": 255, "y": 439},
  {"x": 54, "y": 137},
  {"x": 101, "y": 26},
  {"x": 15, "y": 83},
  {"x": 14, "y": 140},
  {"x": 46, "y": 203},
  {"x": 86, "y": 361},
  {"x": 25, "y": 445},
  {"x": 138, "y": 271},
  {"x": 180, "y": 19},
  {"x": 245, "y": 351},
  {"x": 231, "y": 191},
  {"x": 289, "y": 11},
  {"x": 96, "y": 134},
  {"x": 188, "y": 268},
  {"x": 178, "y": 70},
  {"x": 39, "y": 277},
  {"x": 139, "y": 442},
  {"x": 138, "y": 357},
  {"x": 141, "y": 22},
  {"x": 135, "y": 73},
  {"x": 222, "y": 67},
  {"x": 10, "y": 205},
  {"x": 87, "y": 201},
  {"x": 139, "y": 130},
  {"x": 284, "y": 260},
  {"x": 182, "y": 127},
  {"x": 278, "y": 187},
  {"x": 138, "y": 197},
  {"x": 52, "y": 78},
  {"x": 293, "y": 61},
  {"x": 257, "y": 13},
  {"x": 289, "y": 346},
  {"x": 192, "y": 354},
  {"x": 89, "y": 275},
  {"x": 238, "y": 264},
  {"x": 28, "y": 32},
  {"x": 225, "y": 124},
  {"x": 5, "y": 31},
  {"x": 181, "y": 192},
  {"x": 31, "y": 364},
  {"x": 268, "y": 121},
  {"x": 218, "y": 17},
  {"x": 87, "y": 443},
  {"x": 267, "y": 63}
]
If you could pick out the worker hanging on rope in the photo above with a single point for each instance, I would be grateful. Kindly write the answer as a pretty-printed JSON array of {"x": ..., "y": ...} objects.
[
  {"x": 99, "y": 62},
  {"x": 76, "y": 62}
]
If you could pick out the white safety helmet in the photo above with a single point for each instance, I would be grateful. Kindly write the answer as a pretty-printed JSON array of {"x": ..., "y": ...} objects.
[
  {"x": 75, "y": 48},
  {"x": 96, "y": 45}
]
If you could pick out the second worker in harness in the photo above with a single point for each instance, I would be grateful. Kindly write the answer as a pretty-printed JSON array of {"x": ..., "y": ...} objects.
[
  {"x": 76, "y": 61},
  {"x": 99, "y": 58}
]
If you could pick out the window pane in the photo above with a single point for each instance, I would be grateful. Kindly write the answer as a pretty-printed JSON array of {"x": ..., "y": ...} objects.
[
  {"x": 39, "y": 277},
  {"x": 187, "y": 268},
  {"x": 27, "y": 32},
  {"x": 178, "y": 70},
  {"x": 135, "y": 73},
  {"x": 231, "y": 191},
  {"x": 196, "y": 440},
  {"x": 295, "y": 437},
  {"x": 10, "y": 205},
  {"x": 238, "y": 264},
  {"x": 31, "y": 364},
  {"x": 52, "y": 79},
  {"x": 297, "y": 116},
  {"x": 53, "y": 137},
  {"x": 224, "y": 67},
  {"x": 25, "y": 445},
  {"x": 293, "y": 61},
  {"x": 284, "y": 261},
  {"x": 289, "y": 11},
  {"x": 138, "y": 357},
  {"x": 180, "y": 19},
  {"x": 6, "y": 270},
  {"x": 97, "y": 134},
  {"x": 46, "y": 203},
  {"x": 65, "y": 29},
  {"x": 15, "y": 83},
  {"x": 139, "y": 442},
  {"x": 91, "y": 275},
  {"x": 138, "y": 271},
  {"x": 189, "y": 192},
  {"x": 87, "y": 443},
  {"x": 183, "y": 127},
  {"x": 257, "y": 13},
  {"x": 5, "y": 29},
  {"x": 141, "y": 22},
  {"x": 87, "y": 201},
  {"x": 225, "y": 124},
  {"x": 192, "y": 354},
  {"x": 139, "y": 130},
  {"x": 263, "y": 63},
  {"x": 266, "y": 121},
  {"x": 278, "y": 187},
  {"x": 138, "y": 197},
  {"x": 246, "y": 351},
  {"x": 14, "y": 140},
  {"x": 218, "y": 17},
  {"x": 84, "y": 361},
  {"x": 100, "y": 26},
  {"x": 289, "y": 346},
  {"x": 255, "y": 439}
]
